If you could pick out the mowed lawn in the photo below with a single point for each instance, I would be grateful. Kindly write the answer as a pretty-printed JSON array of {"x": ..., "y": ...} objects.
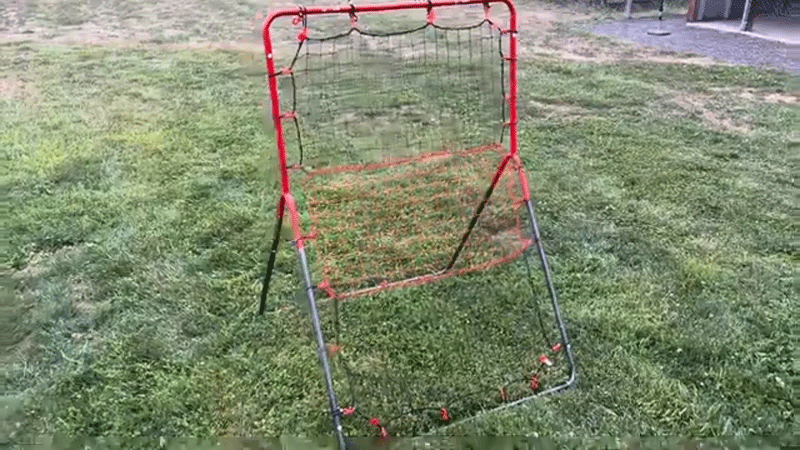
[{"x": 139, "y": 202}]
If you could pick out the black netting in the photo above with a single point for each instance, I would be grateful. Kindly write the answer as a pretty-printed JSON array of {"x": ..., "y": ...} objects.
[{"x": 366, "y": 95}]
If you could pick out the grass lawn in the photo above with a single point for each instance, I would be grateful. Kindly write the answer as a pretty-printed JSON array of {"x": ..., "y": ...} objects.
[{"x": 139, "y": 203}]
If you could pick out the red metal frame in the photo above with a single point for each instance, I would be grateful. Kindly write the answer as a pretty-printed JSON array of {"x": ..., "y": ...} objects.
[{"x": 287, "y": 201}]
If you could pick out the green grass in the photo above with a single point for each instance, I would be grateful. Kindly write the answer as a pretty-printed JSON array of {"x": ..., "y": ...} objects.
[{"x": 140, "y": 206}]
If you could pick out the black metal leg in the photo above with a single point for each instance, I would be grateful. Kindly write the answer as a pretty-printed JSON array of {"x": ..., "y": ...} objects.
[
  {"x": 271, "y": 262},
  {"x": 322, "y": 353},
  {"x": 562, "y": 329},
  {"x": 478, "y": 212}
]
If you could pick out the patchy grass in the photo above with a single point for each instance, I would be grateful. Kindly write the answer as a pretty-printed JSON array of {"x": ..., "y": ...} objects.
[{"x": 140, "y": 207}]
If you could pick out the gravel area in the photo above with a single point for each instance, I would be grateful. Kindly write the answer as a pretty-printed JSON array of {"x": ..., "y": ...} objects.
[{"x": 729, "y": 47}]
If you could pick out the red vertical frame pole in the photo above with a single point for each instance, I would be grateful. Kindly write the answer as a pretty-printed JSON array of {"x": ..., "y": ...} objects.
[
  {"x": 276, "y": 107},
  {"x": 512, "y": 80}
]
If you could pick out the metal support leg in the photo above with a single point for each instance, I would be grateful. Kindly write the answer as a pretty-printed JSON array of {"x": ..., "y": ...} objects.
[
  {"x": 271, "y": 262},
  {"x": 562, "y": 329},
  {"x": 322, "y": 354}
]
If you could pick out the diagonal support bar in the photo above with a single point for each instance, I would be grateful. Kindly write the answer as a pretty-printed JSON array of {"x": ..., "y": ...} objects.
[
  {"x": 499, "y": 173},
  {"x": 271, "y": 262}
]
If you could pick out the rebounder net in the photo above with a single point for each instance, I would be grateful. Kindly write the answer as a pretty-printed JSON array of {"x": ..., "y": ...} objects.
[{"x": 396, "y": 131}]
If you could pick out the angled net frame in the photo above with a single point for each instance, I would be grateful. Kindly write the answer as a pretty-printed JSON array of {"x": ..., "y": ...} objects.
[{"x": 503, "y": 173}]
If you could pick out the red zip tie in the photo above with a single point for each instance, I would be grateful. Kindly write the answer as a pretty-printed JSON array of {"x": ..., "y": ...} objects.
[
  {"x": 534, "y": 383},
  {"x": 545, "y": 360},
  {"x": 348, "y": 410},
  {"x": 375, "y": 422},
  {"x": 445, "y": 415},
  {"x": 556, "y": 347},
  {"x": 333, "y": 350},
  {"x": 431, "y": 16},
  {"x": 384, "y": 433},
  {"x": 503, "y": 394},
  {"x": 353, "y": 17},
  {"x": 325, "y": 285},
  {"x": 289, "y": 115},
  {"x": 488, "y": 17},
  {"x": 301, "y": 18}
]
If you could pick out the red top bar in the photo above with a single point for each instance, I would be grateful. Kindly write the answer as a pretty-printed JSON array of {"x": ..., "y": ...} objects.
[{"x": 373, "y": 7}]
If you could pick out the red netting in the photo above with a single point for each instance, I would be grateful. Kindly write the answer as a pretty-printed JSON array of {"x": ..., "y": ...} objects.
[{"x": 384, "y": 225}]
